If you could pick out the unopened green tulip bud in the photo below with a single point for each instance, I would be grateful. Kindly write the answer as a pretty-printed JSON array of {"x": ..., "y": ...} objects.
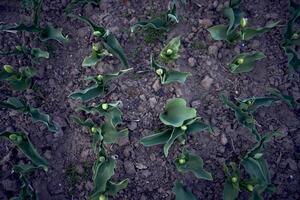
[
  {"x": 95, "y": 47},
  {"x": 104, "y": 106},
  {"x": 19, "y": 48},
  {"x": 13, "y": 137},
  {"x": 240, "y": 61},
  {"x": 250, "y": 188},
  {"x": 102, "y": 197},
  {"x": 97, "y": 33},
  {"x": 183, "y": 128},
  {"x": 159, "y": 72},
  {"x": 182, "y": 161},
  {"x": 169, "y": 52},
  {"x": 295, "y": 36},
  {"x": 234, "y": 179},
  {"x": 94, "y": 130},
  {"x": 243, "y": 22},
  {"x": 99, "y": 77},
  {"x": 8, "y": 68},
  {"x": 258, "y": 155}
]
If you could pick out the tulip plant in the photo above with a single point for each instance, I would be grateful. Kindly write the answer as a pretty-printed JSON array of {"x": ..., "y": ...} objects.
[
  {"x": 108, "y": 40},
  {"x": 18, "y": 80},
  {"x": 245, "y": 62},
  {"x": 237, "y": 29},
  {"x": 107, "y": 133},
  {"x": 22, "y": 142},
  {"x": 291, "y": 38},
  {"x": 169, "y": 53},
  {"x": 180, "y": 120},
  {"x": 245, "y": 109},
  {"x": 36, "y": 115},
  {"x": 44, "y": 33},
  {"x": 182, "y": 193},
  {"x": 33, "y": 53},
  {"x": 96, "y": 55},
  {"x": 256, "y": 167},
  {"x": 99, "y": 87}
]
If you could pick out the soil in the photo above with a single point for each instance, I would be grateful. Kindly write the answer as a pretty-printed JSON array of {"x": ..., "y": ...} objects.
[{"x": 151, "y": 174}]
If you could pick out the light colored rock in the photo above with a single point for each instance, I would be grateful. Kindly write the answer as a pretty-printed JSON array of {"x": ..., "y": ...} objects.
[
  {"x": 192, "y": 62},
  {"x": 207, "y": 82}
]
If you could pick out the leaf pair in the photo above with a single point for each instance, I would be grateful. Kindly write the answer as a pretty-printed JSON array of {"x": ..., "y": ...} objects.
[
  {"x": 37, "y": 116},
  {"x": 245, "y": 62},
  {"x": 34, "y": 53},
  {"x": 108, "y": 132},
  {"x": 188, "y": 162},
  {"x": 181, "y": 121},
  {"x": 108, "y": 40},
  {"x": 237, "y": 28},
  {"x": 18, "y": 80},
  {"x": 96, "y": 55},
  {"x": 99, "y": 86},
  {"x": 21, "y": 140},
  {"x": 103, "y": 170},
  {"x": 160, "y": 23}
]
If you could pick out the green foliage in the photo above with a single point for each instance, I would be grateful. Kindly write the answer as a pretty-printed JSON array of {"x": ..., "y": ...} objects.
[
  {"x": 160, "y": 23},
  {"x": 21, "y": 140},
  {"x": 245, "y": 62},
  {"x": 182, "y": 193},
  {"x": 188, "y": 162},
  {"x": 291, "y": 39},
  {"x": 108, "y": 132},
  {"x": 96, "y": 55},
  {"x": 180, "y": 120},
  {"x": 37, "y": 116},
  {"x": 103, "y": 170},
  {"x": 99, "y": 86},
  {"x": 171, "y": 51},
  {"x": 166, "y": 75},
  {"x": 74, "y": 3},
  {"x": 107, "y": 38},
  {"x": 237, "y": 28},
  {"x": 18, "y": 80},
  {"x": 232, "y": 182},
  {"x": 34, "y": 53}
]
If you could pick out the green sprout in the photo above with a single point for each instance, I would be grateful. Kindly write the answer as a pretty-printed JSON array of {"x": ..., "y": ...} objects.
[
  {"x": 176, "y": 115},
  {"x": 245, "y": 62},
  {"x": 18, "y": 80},
  {"x": 107, "y": 38},
  {"x": 97, "y": 54},
  {"x": 237, "y": 29},
  {"x": 188, "y": 162},
  {"x": 171, "y": 51},
  {"x": 36, "y": 115},
  {"x": 98, "y": 88}
]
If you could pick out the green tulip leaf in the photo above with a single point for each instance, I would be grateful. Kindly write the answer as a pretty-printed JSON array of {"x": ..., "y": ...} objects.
[
  {"x": 197, "y": 127},
  {"x": 182, "y": 193},
  {"x": 293, "y": 60},
  {"x": 111, "y": 134},
  {"x": 113, "y": 188},
  {"x": 176, "y": 112},
  {"x": 249, "y": 33},
  {"x": 51, "y": 33},
  {"x": 245, "y": 62},
  {"x": 176, "y": 133},
  {"x": 157, "y": 138},
  {"x": 218, "y": 32},
  {"x": 171, "y": 51},
  {"x": 21, "y": 140},
  {"x": 97, "y": 54},
  {"x": 38, "y": 53},
  {"x": 188, "y": 162}
]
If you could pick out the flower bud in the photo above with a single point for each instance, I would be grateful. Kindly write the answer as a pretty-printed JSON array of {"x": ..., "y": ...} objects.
[
  {"x": 159, "y": 72},
  {"x": 97, "y": 33},
  {"x": 19, "y": 48},
  {"x": 8, "y": 68},
  {"x": 240, "y": 61},
  {"x": 184, "y": 127},
  {"x": 250, "y": 188},
  {"x": 169, "y": 52},
  {"x": 258, "y": 155},
  {"x": 243, "y": 22},
  {"x": 182, "y": 161},
  {"x": 102, "y": 197},
  {"x": 13, "y": 137},
  {"x": 94, "y": 130},
  {"x": 99, "y": 77},
  {"x": 104, "y": 106},
  {"x": 295, "y": 36},
  {"x": 234, "y": 179},
  {"x": 95, "y": 47}
]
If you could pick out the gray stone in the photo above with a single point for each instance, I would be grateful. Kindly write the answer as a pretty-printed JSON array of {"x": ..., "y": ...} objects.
[
  {"x": 213, "y": 50},
  {"x": 156, "y": 85},
  {"x": 192, "y": 62},
  {"x": 207, "y": 82},
  {"x": 152, "y": 102}
]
